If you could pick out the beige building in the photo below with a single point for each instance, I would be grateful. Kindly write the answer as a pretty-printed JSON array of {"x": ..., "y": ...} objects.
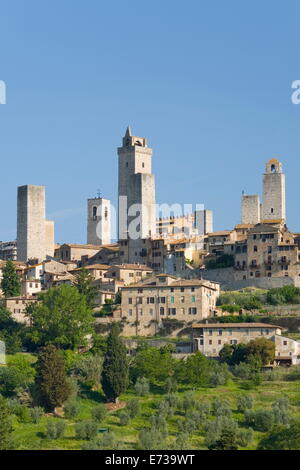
[
  {"x": 146, "y": 304},
  {"x": 17, "y": 306},
  {"x": 210, "y": 338},
  {"x": 129, "y": 273}
]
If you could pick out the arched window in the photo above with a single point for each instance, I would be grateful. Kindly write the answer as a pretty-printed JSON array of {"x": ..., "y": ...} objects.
[
  {"x": 105, "y": 213},
  {"x": 273, "y": 168},
  {"x": 94, "y": 213},
  {"x": 255, "y": 248}
]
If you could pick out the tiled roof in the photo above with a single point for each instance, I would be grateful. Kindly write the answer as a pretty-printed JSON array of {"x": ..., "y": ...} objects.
[{"x": 221, "y": 326}]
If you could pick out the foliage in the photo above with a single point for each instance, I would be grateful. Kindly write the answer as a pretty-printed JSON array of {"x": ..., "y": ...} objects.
[
  {"x": 36, "y": 414},
  {"x": 142, "y": 386},
  {"x": 282, "y": 438},
  {"x": 221, "y": 407},
  {"x": 244, "y": 402},
  {"x": 115, "y": 377},
  {"x": 124, "y": 418},
  {"x": 260, "y": 420},
  {"x": 283, "y": 295},
  {"x": 11, "y": 332},
  {"x": 222, "y": 434},
  {"x": 86, "y": 430},
  {"x": 55, "y": 429},
  {"x": 156, "y": 364},
  {"x": 194, "y": 370},
  {"x": 84, "y": 284},
  {"x": 10, "y": 283},
  {"x": 88, "y": 369},
  {"x": 133, "y": 407},
  {"x": 223, "y": 261},
  {"x": 71, "y": 409},
  {"x": 51, "y": 381},
  {"x": 61, "y": 317},
  {"x": 171, "y": 385},
  {"x": 6, "y": 428},
  {"x": 99, "y": 413}
]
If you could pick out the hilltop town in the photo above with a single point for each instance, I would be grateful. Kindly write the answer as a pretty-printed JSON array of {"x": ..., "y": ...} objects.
[{"x": 172, "y": 302}]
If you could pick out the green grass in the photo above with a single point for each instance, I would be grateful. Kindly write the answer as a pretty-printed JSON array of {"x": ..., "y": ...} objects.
[{"x": 32, "y": 436}]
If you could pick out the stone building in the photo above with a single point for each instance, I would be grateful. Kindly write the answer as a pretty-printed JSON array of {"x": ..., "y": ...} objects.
[
  {"x": 98, "y": 221},
  {"x": 8, "y": 251},
  {"x": 210, "y": 338},
  {"x": 35, "y": 235},
  {"x": 136, "y": 201},
  {"x": 146, "y": 304},
  {"x": 129, "y": 273},
  {"x": 273, "y": 204}
]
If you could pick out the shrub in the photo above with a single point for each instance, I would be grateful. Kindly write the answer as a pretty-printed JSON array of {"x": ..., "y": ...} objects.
[
  {"x": 150, "y": 439},
  {"x": 124, "y": 418},
  {"x": 281, "y": 411},
  {"x": 86, "y": 430},
  {"x": 55, "y": 429},
  {"x": 159, "y": 423},
  {"x": 171, "y": 385},
  {"x": 244, "y": 402},
  {"x": 221, "y": 408},
  {"x": 133, "y": 407},
  {"x": 245, "y": 437},
  {"x": 142, "y": 386},
  {"x": 99, "y": 413},
  {"x": 222, "y": 434},
  {"x": 36, "y": 414},
  {"x": 293, "y": 374},
  {"x": 23, "y": 413},
  {"x": 71, "y": 409},
  {"x": 260, "y": 420},
  {"x": 181, "y": 442}
]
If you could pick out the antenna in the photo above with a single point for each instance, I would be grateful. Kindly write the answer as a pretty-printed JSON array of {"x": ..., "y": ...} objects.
[{"x": 99, "y": 193}]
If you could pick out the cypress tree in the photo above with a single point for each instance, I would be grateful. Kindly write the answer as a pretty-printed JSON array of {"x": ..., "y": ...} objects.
[
  {"x": 52, "y": 386},
  {"x": 5, "y": 425},
  {"x": 115, "y": 377},
  {"x": 10, "y": 284}
]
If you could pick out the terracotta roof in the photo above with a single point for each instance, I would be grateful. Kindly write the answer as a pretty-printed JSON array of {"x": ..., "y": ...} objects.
[
  {"x": 244, "y": 226},
  {"x": 92, "y": 266},
  {"x": 141, "y": 267},
  {"x": 221, "y": 326},
  {"x": 219, "y": 234}
]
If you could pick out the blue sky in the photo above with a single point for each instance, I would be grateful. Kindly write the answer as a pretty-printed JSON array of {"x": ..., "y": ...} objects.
[{"x": 208, "y": 83}]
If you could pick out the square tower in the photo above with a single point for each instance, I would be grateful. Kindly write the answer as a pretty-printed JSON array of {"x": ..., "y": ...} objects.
[
  {"x": 136, "y": 189},
  {"x": 250, "y": 209},
  {"x": 31, "y": 229},
  {"x": 98, "y": 221},
  {"x": 273, "y": 206}
]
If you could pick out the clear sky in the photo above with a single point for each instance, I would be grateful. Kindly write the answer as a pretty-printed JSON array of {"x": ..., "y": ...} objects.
[{"x": 208, "y": 83}]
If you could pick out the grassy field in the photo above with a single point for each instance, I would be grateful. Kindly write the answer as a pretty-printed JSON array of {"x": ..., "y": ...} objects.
[{"x": 32, "y": 436}]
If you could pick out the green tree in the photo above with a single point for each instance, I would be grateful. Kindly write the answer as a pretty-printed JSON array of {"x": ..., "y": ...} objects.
[
  {"x": 51, "y": 381},
  {"x": 61, "y": 317},
  {"x": 282, "y": 438},
  {"x": 6, "y": 428},
  {"x": 115, "y": 377},
  {"x": 10, "y": 332},
  {"x": 10, "y": 284},
  {"x": 262, "y": 348},
  {"x": 154, "y": 364},
  {"x": 84, "y": 284},
  {"x": 195, "y": 370}
]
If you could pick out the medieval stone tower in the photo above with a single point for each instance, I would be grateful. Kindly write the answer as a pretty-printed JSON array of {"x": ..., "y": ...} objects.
[
  {"x": 98, "y": 221},
  {"x": 35, "y": 234},
  {"x": 273, "y": 206},
  {"x": 250, "y": 209},
  {"x": 136, "y": 203}
]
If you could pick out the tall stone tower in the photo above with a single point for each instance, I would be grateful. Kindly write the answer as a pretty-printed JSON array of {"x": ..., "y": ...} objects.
[
  {"x": 250, "y": 209},
  {"x": 35, "y": 235},
  {"x": 98, "y": 221},
  {"x": 273, "y": 206},
  {"x": 136, "y": 204}
]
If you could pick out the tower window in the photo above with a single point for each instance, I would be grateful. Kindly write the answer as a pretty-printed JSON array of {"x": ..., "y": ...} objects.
[
  {"x": 272, "y": 210},
  {"x": 126, "y": 164},
  {"x": 273, "y": 168},
  {"x": 143, "y": 165},
  {"x": 94, "y": 213}
]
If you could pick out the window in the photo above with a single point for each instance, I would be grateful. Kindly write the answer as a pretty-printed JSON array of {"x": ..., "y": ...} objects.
[
  {"x": 172, "y": 300},
  {"x": 255, "y": 248},
  {"x": 150, "y": 300},
  {"x": 192, "y": 311},
  {"x": 233, "y": 341},
  {"x": 94, "y": 213},
  {"x": 284, "y": 343},
  {"x": 162, "y": 300},
  {"x": 192, "y": 289},
  {"x": 161, "y": 310},
  {"x": 193, "y": 298},
  {"x": 172, "y": 311},
  {"x": 219, "y": 341},
  {"x": 130, "y": 312},
  {"x": 210, "y": 332},
  {"x": 182, "y": 299},
  {"x": 139, "y": 300},
  {"x": 130, "y": 300},
  {"x": 220, "y": 332},
  {"x": 181, "y": 289},
  {"x": 210, "y": 341}
]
